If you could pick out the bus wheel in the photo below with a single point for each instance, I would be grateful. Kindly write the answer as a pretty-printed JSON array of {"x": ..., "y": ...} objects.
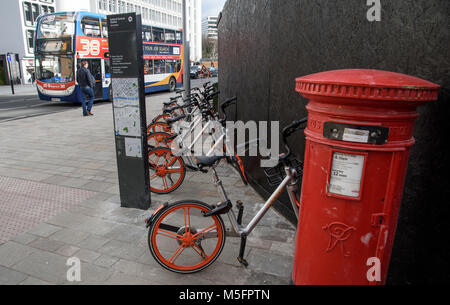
[{"x": 172, "y": 84}]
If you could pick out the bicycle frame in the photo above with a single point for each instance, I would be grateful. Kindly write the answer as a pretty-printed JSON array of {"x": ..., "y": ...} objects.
[{"x": 289, "y": 182}]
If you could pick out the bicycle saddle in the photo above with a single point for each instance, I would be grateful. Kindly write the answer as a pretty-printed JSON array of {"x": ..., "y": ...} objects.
[
  {"x": 168, "y": 103},
  {"x": 169, "y": 110},
  {"x": 173, "y": 120},
  {"x": 208, "y": 161}
]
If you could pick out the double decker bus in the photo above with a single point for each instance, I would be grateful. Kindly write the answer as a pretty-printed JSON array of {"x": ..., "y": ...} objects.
[{"x": 64, "y": 39}]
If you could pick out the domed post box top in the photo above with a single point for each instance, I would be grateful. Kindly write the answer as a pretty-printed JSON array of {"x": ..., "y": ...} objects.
[{"x": 363, "y": 84}]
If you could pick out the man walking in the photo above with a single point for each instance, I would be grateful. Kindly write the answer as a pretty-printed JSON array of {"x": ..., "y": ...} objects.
[{"x": 87, "y": 83}]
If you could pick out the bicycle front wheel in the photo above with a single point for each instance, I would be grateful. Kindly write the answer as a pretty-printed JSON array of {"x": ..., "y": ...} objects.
[
  {"x": 159, "y": 139},
  {"x": 159, "y": 127},
  {"x": 182, "y": 240}
]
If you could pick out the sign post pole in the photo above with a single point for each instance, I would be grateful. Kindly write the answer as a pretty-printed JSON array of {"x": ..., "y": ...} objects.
[
  {"x": 129, "y": 111},
  {"x": 8, "y": 59},
  {"x": 186, "y": 55}
]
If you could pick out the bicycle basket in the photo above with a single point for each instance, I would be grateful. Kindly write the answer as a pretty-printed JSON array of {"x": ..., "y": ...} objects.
[{"x": 275, "y": 175}]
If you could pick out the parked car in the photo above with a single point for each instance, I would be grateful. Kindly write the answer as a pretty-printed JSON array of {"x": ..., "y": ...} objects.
[
  {"x": 195, "y": 71},
  {"x": 214, "y": 71}
]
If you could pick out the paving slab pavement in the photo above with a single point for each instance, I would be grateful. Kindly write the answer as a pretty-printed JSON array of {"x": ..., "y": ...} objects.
[{"x": 62, "y": 166}]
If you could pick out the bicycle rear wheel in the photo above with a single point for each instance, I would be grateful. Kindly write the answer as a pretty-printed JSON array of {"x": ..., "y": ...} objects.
[
  {"x": 182, "y": 240},
  {"x": 167, "y": 171}
]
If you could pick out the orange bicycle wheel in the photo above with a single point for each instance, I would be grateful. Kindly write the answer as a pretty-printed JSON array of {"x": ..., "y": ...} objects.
[
  {"x": 161, "y": 118},
  {"x": 182, "y": 240},
  {"x": 167, "y": 171},
  {"x": 159, "y": 127},
  {"x": 159, "y": 139}
]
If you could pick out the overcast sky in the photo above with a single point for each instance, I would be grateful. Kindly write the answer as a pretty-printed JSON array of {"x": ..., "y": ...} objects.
[{"x": 212, "y": 7}]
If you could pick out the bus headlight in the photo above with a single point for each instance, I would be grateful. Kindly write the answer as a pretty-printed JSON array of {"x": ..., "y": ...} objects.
[
  {"x": 40, "y": 88},
  {"x": 70, "y": 90}
]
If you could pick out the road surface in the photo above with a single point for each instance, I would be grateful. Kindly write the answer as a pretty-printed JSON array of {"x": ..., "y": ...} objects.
[{"x": 26, "y": 103}]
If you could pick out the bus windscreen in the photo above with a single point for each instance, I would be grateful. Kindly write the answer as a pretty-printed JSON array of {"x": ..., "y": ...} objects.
[{"x": 56, "y": 26}]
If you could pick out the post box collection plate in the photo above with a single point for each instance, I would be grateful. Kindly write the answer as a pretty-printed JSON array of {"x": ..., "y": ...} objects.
[
  {"x": 354, "y": 133},
  {"x": 346, "y": 175}
]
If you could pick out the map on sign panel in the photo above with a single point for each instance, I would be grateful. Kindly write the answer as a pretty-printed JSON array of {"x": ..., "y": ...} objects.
[{"x": 126, "y": 107}]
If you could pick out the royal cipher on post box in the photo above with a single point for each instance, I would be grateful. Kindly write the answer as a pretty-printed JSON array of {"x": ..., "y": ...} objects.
[{"x": 358, "y": 139}]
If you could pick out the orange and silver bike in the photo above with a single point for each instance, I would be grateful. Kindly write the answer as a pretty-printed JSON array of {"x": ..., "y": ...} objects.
[{"x": 188, "y": 236}]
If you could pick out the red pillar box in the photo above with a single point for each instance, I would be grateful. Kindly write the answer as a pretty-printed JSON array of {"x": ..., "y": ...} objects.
[{"x": 358, "y": 139}]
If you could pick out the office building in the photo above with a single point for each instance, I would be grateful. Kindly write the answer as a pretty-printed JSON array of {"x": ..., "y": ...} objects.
[
  {"x": 209, "y": 27},
  {"x": 17, "y": 28},
  {"x": 163, "y": 13}
]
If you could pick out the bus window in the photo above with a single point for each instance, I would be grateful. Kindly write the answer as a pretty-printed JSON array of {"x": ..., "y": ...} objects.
[
  {"x": 151, "y": 66},
  {"x": 147, "y": 64},
  {"x": 178, "y": 65},
  {"x": 147, "y": 36},
  {"x": 160, "y": 66},
  {"x": 56, "y": 26},
  {"x": 54, "y": 69},
  {"x": 104, "y": 28},
  {"x": 170, "y": 36},
  {"x": 90, "y": 26},
  {"x": 171, "y": 66},
  {"x": 158, "y": 35},
  {"x": 179, "y": 37}
]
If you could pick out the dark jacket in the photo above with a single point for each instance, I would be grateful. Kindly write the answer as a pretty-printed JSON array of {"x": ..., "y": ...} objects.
[{"x": 85, "y": 78}]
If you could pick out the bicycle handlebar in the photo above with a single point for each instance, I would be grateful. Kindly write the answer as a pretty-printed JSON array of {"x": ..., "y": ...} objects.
[
  {"x": 293, "y": 127},
  {"x": 227, "y": 103},
  {"x": 288, "y": 131},
  {"x": 209, "y": 96}
]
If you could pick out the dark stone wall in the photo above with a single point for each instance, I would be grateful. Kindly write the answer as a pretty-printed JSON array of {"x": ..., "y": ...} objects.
[{"x": 265, "y": 44}]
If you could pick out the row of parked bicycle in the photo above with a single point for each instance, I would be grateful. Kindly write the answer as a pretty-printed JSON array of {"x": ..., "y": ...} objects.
[
  {"x": 188, "y": 236},
  {"x": 167, "y": 169}
]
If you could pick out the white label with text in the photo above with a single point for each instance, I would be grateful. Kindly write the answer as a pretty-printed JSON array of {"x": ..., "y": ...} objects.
[{"x": 346, "y": 174}]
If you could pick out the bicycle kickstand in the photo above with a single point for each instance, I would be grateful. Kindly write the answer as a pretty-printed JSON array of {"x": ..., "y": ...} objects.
[{"x": 240, "y": 258}]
